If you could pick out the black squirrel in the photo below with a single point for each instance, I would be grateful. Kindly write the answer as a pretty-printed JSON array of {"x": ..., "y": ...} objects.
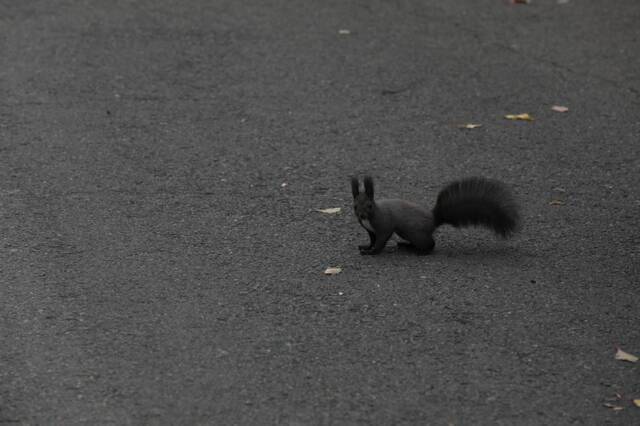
[{"x": 466, "y": 202}]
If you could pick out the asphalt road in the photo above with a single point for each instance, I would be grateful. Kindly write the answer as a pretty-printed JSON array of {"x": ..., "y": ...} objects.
[{"x": 161, "y": 163}]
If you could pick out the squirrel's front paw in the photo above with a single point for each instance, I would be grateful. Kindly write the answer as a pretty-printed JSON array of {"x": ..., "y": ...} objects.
[
  {"x": 364, "y": 247},
  {"x": 365, "y": 250}
]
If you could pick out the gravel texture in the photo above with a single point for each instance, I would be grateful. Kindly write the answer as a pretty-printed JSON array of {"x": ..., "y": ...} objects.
[{"x": 162, "y": 259}]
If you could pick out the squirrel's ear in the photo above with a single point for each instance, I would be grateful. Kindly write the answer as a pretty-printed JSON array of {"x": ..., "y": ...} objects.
[
  {"x": 355, "y": 185},
  {"x": 368, "y": 186}
]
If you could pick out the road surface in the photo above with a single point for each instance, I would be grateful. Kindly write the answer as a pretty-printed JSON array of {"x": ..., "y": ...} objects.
[{"x": 162, "y": 256}]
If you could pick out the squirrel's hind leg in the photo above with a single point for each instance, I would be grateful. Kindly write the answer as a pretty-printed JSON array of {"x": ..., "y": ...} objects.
[{"x": 422, "y": 245}]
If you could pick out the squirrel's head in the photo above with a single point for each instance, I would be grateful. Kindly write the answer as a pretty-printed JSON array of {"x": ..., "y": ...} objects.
[{"x": 362, "y": 201}]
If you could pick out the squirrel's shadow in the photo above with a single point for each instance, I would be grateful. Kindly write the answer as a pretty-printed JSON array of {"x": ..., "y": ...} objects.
[{"x": 488, "y": 251}]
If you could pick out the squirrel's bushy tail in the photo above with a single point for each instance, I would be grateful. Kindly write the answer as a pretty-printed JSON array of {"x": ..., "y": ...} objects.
[{"x": 478, "y": 201}]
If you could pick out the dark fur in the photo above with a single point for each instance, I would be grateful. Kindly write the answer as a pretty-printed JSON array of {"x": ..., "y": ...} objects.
[
  {"x": 467, "y": 202},
  {"x": 480, "y": 202}
]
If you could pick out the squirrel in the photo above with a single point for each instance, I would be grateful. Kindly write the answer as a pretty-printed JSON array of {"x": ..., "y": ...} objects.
[{"x": 466, "y": 202}]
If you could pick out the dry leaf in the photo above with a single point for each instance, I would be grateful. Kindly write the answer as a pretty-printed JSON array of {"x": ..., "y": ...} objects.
[
  {"x": 556, "y": 203},
  {"x": 332, "y": 210},
  {"x": 520, "y": 1},
  {"x": 344, "y": 32},
  {"x": 636, "y": 402},
  {"x": 558, "y": 108},
  {"x": 470, "y": 126},
  {"x": 613, "y": 407},
  {"x": 332, "y": 271},
  {"x": 625, "y": 356},
  {"x": 523, "y": 117}
]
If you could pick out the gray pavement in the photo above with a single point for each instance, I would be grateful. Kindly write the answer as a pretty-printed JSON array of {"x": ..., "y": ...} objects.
[{"x": 162, "y": 258}]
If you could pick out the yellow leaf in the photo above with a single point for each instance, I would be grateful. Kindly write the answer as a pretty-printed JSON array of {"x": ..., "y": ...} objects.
[
  {"x": 470, "y": 126},
  {"x": 625, "y": 356},
  {"x": 523, "y": 117},
  {"x": 636, "y": 402},
  {"x": 344, "y": 32},
  {"x": 556, "y": 203},
  {"x": 332, "y": 210},
  {"x": 558, "y": 108},
  {"x": 332, "y": 271}
]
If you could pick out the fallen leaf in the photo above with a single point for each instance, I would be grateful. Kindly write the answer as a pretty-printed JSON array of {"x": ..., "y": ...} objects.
[
  {"x": 520, "y": 1},
  {"x": 332, "y": 271},
  {"x": 470, "y": 126},
  {"x": 636, "y": 402},
  {"x": 613, "y": 407},
  {"x": 559, "y": 108},
  {"x": 625, "y": 356},
  {"x": 344, "y": 32},
  {"x": 523, "y": 117},
  {"x": 332, "y": 210},
  {"x": 284, "y": 184},
  {"x": 556, "y": 203}
]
